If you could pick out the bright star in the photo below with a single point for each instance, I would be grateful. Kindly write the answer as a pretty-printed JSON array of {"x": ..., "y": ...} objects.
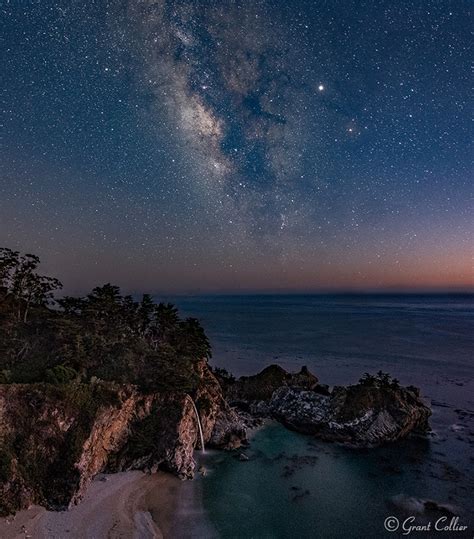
[{"x": 320, "y": 87}]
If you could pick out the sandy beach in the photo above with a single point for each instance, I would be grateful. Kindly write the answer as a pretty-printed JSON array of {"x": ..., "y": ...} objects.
[{"x": 115, "y": 506}]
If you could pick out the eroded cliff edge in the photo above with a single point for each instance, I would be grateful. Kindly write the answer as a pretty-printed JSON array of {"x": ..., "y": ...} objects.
[
  {"x": 55, "y": 439},
  {"x": 375, "y": 411},
  {"x": 106, "y": 382}
]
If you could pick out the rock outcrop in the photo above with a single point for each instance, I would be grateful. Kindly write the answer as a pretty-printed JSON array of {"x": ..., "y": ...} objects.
[
  {"x": 356, "y": 415},
  {"x": 55, "y": 439},
  {"x": 222, "y": 427},
  {"x": 260, "y": 387},
  {"x": 371, "y": 413}
]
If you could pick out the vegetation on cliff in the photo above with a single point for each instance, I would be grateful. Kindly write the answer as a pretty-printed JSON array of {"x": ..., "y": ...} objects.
[
  {"x": 105, "y": 382},
  {"x": 103, "y": 335},
  {"x": 38, "y": 449},
  {"x": 102, "y": 382}
]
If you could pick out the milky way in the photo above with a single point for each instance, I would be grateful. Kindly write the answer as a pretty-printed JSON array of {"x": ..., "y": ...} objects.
[
  {"x": 236, "y": 93},
  {"x": 226, "y": 145}
]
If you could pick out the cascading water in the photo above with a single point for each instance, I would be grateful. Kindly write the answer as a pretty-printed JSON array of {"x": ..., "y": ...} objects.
[{"x": 199, "y": 425}]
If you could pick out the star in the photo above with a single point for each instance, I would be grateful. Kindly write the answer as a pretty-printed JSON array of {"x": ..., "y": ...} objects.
[{"x": 185, "y": 115}]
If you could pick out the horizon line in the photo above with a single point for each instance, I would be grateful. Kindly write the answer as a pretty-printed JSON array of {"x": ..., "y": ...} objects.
[{"x": 339, "y": 292}]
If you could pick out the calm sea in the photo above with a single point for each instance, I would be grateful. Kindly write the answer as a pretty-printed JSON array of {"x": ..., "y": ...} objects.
[{"x": 295, "y": 486}]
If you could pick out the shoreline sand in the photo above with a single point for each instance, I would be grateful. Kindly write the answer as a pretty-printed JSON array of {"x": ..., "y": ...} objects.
[
  {"x": 115, "y": 506},
  {"x": 123, "y": 505}
]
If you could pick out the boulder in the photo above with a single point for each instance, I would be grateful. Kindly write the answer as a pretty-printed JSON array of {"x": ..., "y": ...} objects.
[
  {"x": 359, "y": 415},
  {"x": 260, "y": 387}
]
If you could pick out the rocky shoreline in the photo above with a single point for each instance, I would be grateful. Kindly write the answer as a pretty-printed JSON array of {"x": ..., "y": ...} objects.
[
  {"x": 51, "y": 449},
  {"x": 373, "y": 412}
]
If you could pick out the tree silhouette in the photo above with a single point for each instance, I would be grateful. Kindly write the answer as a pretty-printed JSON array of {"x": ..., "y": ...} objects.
[
  {"x": 104, "y": 334},
  {"x": 20, "y": 281},
  {"x": 380, "y": 380}
]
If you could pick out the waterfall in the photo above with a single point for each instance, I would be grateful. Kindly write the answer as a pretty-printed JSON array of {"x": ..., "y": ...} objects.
[{"x": 199, "y": 425}]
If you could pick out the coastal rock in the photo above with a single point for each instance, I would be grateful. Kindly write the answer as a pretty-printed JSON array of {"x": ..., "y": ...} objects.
[
  {"x": 55, "y": 439},
  {"x": 228, "y": 431},
  {"x": 411, "y": 505},
  {"x": 222, "y": 426},
  {"x": 358, "y": 415},
  {"x": 43, "y": 434},
  {"x": 304, "y": 411},
  {"x": 161, "y": 435},
  {"x": 250, "y": 391},
  {"x": 373, "y": 412}
]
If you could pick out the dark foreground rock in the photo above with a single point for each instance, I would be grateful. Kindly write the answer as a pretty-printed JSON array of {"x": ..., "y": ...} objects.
[
  {"x": 55, "y": 439},
  {"x": 412, "y": 506}
]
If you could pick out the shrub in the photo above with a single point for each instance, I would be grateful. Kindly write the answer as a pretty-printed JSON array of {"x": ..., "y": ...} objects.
[
  {"x": 61, "y": 374},
  {"x": 379, "y": 380}
]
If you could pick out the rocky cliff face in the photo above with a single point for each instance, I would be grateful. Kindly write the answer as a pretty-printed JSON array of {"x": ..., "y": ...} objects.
[
  {"x": 54, "y": 440},
  {"x": 362, "y": 415},
  {"x": 222, "y": 427},
  {"x": 260, "y": 387},
  {"x": 354, "y": 415}
]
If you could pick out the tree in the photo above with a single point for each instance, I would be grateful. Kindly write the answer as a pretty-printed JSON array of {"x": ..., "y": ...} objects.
[
  {"x": 103, "y": 334},
  {"x": 164, "y": 324},
  {"x": 367, "y": 379},
  {"x": 380, "y": 380},
  {"x": 72, "y": 306},
  {"x": 193, "y": 341},
  {"x": 8, "y": 261},
  {"x": 19, "y": 280},
  {"x": 145, "y": 314}
]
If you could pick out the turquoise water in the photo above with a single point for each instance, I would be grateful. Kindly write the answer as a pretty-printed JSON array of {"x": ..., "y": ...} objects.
[{"x": 296, "y": 487}]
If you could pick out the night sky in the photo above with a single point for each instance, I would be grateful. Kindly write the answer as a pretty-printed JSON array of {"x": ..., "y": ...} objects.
[{"x": 206, "y": 146}]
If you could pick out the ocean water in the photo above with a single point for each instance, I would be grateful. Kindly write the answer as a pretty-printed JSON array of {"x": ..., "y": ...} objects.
[{"x": 295, "y": 486}]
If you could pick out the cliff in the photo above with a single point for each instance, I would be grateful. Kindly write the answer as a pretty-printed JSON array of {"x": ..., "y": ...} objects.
[
  {"x": 260, "y": 387},
  {"x": 375, "y": 411},
  {"x": 55, "y": 439},
  {"x": 356, "y": 415}
]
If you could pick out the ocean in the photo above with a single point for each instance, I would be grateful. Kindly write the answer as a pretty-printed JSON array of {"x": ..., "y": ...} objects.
[{"x": 295, "y": 486}]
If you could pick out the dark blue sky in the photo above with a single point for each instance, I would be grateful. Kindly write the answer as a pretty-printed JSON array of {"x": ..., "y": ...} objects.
[{"x": 225, "y": 145}]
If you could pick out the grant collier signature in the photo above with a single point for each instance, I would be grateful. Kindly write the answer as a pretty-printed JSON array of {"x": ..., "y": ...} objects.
[{"x": 407, "y": 526}]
